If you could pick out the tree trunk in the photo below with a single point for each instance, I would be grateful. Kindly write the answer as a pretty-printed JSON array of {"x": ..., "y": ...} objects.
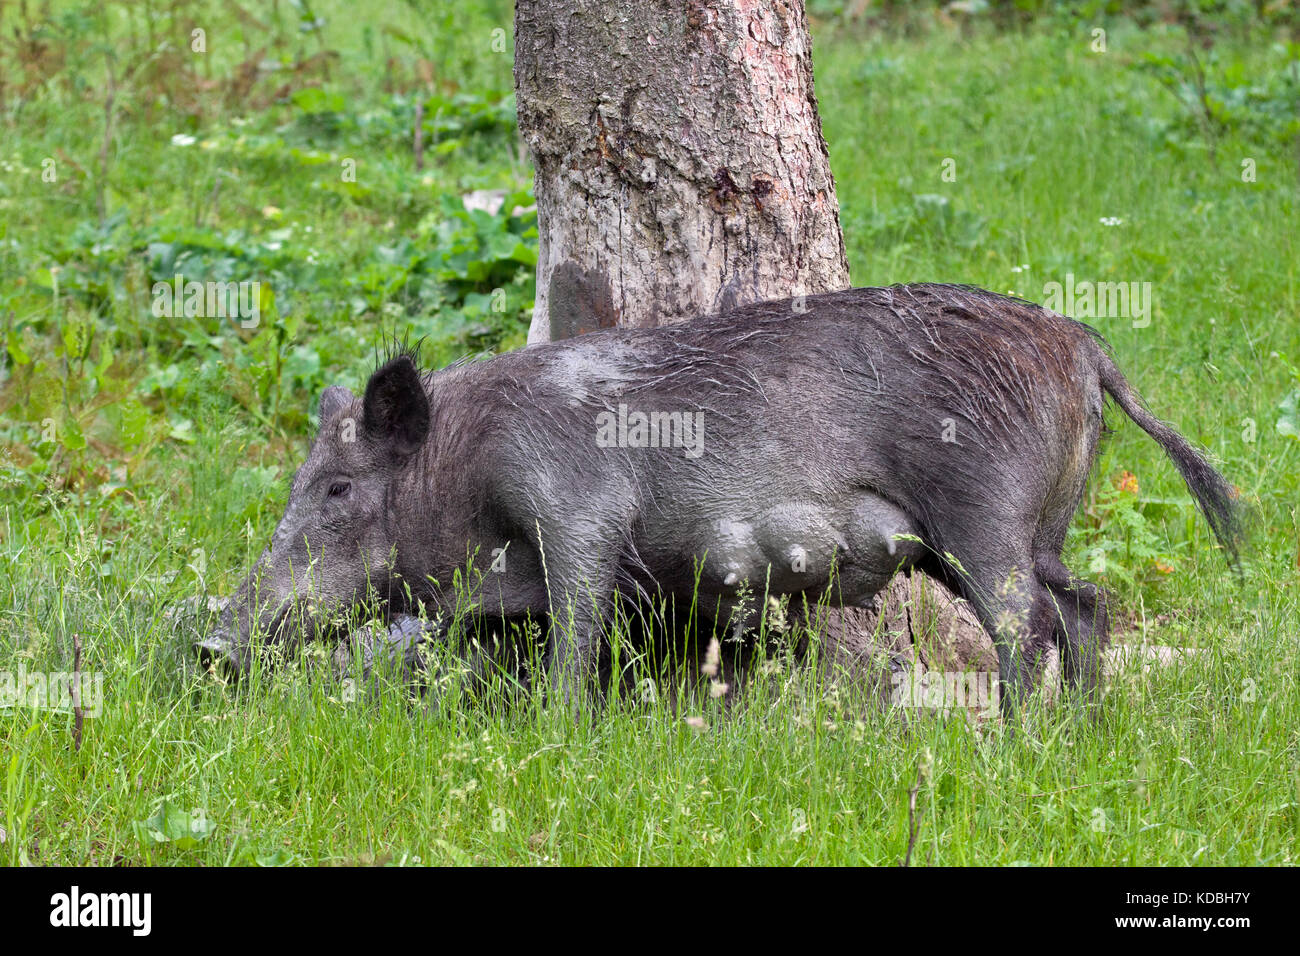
[{"x": 681, "y": 170}]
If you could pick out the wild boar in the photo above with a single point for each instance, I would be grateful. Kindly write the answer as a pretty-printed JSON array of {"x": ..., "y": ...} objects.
[{"x": 784, "y": 447}]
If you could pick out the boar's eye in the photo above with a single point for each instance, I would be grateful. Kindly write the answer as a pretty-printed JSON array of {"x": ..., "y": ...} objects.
[{"x": 340, "y": 489}]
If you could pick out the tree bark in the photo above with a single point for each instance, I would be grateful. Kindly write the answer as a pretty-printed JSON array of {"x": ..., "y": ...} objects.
[{"x": 681, "y": 170}]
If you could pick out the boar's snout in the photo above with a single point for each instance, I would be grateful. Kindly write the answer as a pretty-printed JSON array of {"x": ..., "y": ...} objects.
[{"x": 334, "y": 549}]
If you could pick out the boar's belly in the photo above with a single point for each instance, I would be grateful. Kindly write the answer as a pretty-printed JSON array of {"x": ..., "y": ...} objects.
[{"x": 793, "y": 546}]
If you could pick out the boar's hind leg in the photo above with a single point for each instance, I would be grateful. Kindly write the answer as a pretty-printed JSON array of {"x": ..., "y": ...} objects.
[
  {"x": 1016, "y": 610},
  {"x": 1080, "y": 627}
]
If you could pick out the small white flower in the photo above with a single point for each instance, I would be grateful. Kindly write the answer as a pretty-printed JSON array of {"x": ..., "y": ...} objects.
[
  {"x": 183, "y": 139},
  {"x": 1017, "y": 268},
  {"x": 1111, "y": 221}
]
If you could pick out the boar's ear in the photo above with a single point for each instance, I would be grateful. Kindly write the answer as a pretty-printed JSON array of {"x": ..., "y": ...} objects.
[
  {"x": 396, "y": 409},
  {"x": 333, "y": 400}
]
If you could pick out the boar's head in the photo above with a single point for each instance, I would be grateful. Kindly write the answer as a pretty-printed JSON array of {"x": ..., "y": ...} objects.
[{"x": 335, "y": 546}]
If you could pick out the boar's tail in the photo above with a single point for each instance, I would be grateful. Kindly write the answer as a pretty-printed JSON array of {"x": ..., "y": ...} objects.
[{"x": 1219, "y": 501}]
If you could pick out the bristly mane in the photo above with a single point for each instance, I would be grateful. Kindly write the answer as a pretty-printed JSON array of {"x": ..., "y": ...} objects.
[
  {"x": 983, "y": 293},
  {"x": 391, "y": 347}
]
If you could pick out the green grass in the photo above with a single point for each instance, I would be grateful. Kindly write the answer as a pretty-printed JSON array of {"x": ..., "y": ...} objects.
[{"x": 174, "y": 442}]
